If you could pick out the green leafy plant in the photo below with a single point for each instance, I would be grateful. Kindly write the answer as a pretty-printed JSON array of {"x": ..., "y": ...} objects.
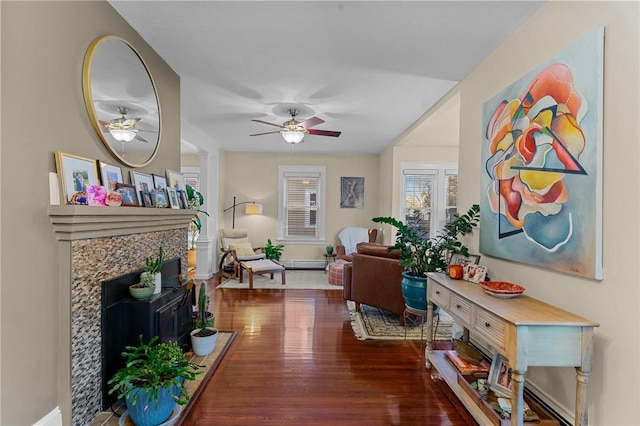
[
  {"x": 146, "y": 280},
  {"x": 153, "y": 367},
  {"x": 196, "y": 200},
  {"x": 154, "y": 266},
  {"x": 329, "y": 249},
  {"x": 273, "y": 251},
  {"x": 203, "y": 323},
  {"x": 420, "y": 255}
]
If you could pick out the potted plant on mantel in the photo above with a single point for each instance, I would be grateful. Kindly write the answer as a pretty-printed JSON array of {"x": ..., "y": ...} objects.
[
  {"x": 204, "y": 335},
  {"x": 153, "y": 268},
  {"x": 419, "y": 255},
  {"x": 152, "y": 381},
  {"x": 144, "y": 289}
]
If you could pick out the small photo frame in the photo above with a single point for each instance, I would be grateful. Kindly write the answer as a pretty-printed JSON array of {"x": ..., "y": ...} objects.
[
  {"x": 460, "y": 259},
  {"x": 129, "y": 194},
  {"x": 474, "y": 273},
  {"x": 175, "y": 180},
  {"x": 111, "y": 175},
  {"x": 182, "y": 199},
  {"x": 159, "y": 198},
  {"x": 173, "y": 198},
  {"x": 145, "y": 199},
  {"x": 500, "y": 375},
  {"x": 159, "y": 182},
  {"x": 75, "y": 174},
  {"x": 142, "y": 181}
]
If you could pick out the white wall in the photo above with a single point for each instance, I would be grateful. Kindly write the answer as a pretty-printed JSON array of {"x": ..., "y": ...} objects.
[{"x": 613, "y": 302}]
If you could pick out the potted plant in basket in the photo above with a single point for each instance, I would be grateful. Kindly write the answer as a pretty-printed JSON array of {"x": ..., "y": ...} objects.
[
  {"x": 204, "y": 335},
  {"x": 273, "y": 251},
  {"x": 152, "y": 381},
  {"x": 144, "y": 289},
  {"x": 419, "y": 255},
  {"x": 153, "y": 268}
]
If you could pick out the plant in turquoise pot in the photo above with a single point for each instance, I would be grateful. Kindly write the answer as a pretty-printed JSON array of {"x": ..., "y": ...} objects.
[{"x": 420, "y": 255}]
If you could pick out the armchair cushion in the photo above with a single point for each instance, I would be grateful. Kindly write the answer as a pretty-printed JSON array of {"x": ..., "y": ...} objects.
[{"x": 242, "y": 249}]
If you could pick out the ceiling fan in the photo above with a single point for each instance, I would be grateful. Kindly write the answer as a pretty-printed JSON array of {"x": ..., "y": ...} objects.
[
  {"x": 122, "y": 128},
  {"x": 293, "y": 131}
]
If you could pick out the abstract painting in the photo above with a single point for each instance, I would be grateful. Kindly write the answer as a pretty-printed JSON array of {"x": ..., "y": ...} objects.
[
  {"x": 352, "y": 192},
  {"x": 541, "y": 184}
]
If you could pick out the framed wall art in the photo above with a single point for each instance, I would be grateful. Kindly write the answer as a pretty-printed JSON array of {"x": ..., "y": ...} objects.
[
  {"x": 111, "y": 175},
  {"x": 142, "y": 181},
  {"x": 159, "y": 198},
  {"x": 175, "y": 180},
  {"x": 75, "y": 174},
  {"x": 352, "y": 192},
  {"x": 541, "y": 199},
  {"x": 129, "y": 194},
  {"x": 159, "y": 182}
]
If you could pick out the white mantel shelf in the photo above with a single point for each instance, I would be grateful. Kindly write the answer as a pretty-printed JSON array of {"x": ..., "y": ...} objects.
[{"x": 78, "y": 222}]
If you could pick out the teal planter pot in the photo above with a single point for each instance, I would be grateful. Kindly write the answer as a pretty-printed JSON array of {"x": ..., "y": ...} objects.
[
  {"x": 148, "y": 412},
  {"x": 414, "y": 291}
]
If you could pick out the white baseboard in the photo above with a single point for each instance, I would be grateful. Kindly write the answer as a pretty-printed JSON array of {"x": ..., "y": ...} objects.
[{"x": 54, "y": 418}]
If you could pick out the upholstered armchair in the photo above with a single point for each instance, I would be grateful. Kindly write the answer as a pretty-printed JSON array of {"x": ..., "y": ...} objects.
[
  {"x": 350, "y": 237},
  {"x": 235, "y": 247}
]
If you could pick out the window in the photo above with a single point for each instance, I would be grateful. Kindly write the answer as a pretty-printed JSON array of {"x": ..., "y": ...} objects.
[
  {"x": 301, "y": 203},
  {"x": 429, "y": 198}
]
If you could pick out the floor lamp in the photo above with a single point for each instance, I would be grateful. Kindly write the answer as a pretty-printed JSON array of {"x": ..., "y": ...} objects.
[{"x": 250, "y": 209}]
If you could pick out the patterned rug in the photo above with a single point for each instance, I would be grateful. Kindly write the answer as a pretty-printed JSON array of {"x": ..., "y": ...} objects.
[
  {"x": 298, "y": 279},
  {"x": 378, "y": 324}
]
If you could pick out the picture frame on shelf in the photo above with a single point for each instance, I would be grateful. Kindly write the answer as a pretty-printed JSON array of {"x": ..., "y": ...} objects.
[
  {"x": 145, "y": 199},
  {"x": 175, "y": 180},
  {"x": 462, "y": 260},
  {"x": 129, "y": 194},
  {"x": 182, "y": 199},
  {"x": 111, "y": 175},
  {"x": 159, "y": 198},
  {"x": 173, "y": 198},
  {"x": 159, "y": 182},
  {"x": 75, "y": 173},
  {"x": 142, "y": 181},
  {"x": 474, "y": 273},
  {"x": 500, "y": 375}
]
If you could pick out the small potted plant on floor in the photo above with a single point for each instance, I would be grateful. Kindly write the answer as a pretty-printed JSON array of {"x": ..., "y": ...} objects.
[
  {"x": 152, "y": 381},
  {"x": 273, "y": 251},
  {"x": 153, "y": 268},
  {"x": 144, "y": 289},
  {"x": 204, "y": 335}
]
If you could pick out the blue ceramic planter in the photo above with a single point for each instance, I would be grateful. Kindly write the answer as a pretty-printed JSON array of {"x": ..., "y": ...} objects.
[
  {"x": 146, "y": 411},
  {"x": 414, "y": 291}
]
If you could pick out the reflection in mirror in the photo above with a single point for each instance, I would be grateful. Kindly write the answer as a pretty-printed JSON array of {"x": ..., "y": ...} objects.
[{"x": 121, "y": 100}]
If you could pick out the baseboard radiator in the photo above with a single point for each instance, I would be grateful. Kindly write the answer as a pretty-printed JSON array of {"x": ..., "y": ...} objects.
[{"x": 302, "y": 264}]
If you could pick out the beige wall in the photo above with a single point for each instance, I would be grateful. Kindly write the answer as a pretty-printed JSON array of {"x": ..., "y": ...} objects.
[
  {"x": 613, "y": 302},
  {"x": 254, "y": 176},
  {"x": 43, "y": 46}
]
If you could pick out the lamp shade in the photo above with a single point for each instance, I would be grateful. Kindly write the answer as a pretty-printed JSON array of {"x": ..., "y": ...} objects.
[
  {"x": 123, "y": 135},
  {"x": 253, "y": 209},
  {"x": 292, "y": 137}
]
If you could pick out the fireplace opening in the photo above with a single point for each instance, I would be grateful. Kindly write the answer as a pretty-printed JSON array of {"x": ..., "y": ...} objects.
[{"x": 167, "y": 315}]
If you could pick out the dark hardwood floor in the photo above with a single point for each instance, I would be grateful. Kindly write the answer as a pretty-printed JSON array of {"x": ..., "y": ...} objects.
[{"x": 296, "y": 362}]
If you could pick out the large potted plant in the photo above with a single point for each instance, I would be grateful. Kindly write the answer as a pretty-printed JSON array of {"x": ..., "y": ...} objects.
[
  {"x": 272, "y": 251},
  {"x": 152, "y": 381},
  {"x": 153, "y": 268},
  {"x": 204, "y": 335},
  {"x": 420, "y": 255}
]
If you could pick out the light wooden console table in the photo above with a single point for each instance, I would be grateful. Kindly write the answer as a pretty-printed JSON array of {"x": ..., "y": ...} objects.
[{"x": 528, "y": 332}]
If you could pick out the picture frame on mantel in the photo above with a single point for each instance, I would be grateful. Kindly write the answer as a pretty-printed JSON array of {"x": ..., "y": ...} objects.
[{"x": 75, "y": 173}]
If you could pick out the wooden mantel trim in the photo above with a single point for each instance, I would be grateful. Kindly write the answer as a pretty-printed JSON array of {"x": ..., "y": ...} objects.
[{"x": 78, "y": 222}]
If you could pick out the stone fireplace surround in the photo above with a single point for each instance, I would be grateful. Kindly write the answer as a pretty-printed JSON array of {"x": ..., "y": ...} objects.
[{"x": 96, "y": 244}]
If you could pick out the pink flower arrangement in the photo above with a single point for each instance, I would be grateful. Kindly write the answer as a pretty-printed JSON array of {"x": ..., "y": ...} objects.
[{"x": 96, "y": 195}]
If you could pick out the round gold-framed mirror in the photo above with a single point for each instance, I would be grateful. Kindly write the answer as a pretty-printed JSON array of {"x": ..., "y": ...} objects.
[{"x": 121, "y": 100}]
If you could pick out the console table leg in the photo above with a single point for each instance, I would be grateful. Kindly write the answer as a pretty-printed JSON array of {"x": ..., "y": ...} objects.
[
  {"x": 429, "y": 345},
  {"x": 582, "y": 378},
  {"x": 517, "y": 398}
]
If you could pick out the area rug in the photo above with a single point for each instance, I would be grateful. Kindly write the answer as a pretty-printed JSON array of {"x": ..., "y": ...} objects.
[
  {"x": 299, "y": 279},
  {"x": 378, "y": 324}
]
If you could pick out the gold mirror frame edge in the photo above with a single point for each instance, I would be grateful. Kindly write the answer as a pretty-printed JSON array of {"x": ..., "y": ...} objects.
[{"x": 88, "y": 98}]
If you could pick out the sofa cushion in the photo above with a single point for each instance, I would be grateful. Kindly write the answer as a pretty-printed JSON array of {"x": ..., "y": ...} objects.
[{"x": 380, "y": 250}]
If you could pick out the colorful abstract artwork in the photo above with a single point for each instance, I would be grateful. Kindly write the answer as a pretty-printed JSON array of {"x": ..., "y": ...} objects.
[{"x": 541, "y": 200}]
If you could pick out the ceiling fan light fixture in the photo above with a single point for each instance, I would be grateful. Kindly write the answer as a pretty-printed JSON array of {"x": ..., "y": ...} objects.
[
  {"x": 292, "y": 137},
  {"x": 123, "y": 135}
]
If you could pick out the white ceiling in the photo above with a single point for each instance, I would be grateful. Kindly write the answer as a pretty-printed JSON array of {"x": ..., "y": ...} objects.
[{"x": 369, "y": 69}]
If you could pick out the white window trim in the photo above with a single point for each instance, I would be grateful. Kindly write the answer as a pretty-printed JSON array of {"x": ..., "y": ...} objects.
[
  {"x": 442, "y": 170},
  {"x": 320, "y": 202}
]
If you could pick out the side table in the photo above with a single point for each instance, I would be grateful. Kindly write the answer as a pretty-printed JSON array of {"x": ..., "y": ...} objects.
[{"x": 328, "y": 258}]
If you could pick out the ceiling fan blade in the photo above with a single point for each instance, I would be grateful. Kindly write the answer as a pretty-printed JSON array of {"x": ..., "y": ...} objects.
[
  {"x": 324, "y": 132},
  {"x": 265, "y": 133},
  {"x": 140, "y": 138},
  {"x": 310, "y": 122},
  {"x": 130, "y": 122},
  {"x": 266, "y": 122}
]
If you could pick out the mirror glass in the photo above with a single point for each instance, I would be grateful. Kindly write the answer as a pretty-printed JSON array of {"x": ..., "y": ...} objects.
[{"x": 121, "y": 100}]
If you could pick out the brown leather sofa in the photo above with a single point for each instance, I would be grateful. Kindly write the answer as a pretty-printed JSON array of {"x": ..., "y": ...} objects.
[{"x": 374, "y": 278}]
